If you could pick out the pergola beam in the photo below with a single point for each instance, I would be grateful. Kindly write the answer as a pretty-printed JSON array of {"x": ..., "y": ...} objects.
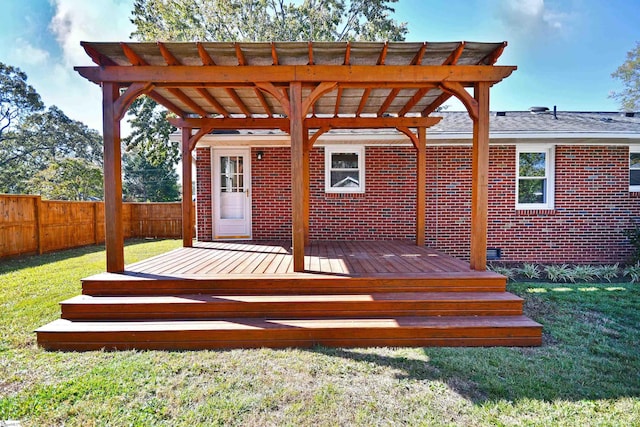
[
  {"x": 185, "y": 75},
  {"x": 309, "y": 122}
]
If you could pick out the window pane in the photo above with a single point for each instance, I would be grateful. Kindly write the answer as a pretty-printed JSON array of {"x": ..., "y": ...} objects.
[
  {"x": 634, "y": 160},
  {"x": 532, "y": 164},
  {"x": 344, "y": 161},
  {"x": 228, "y": 164},
  {"x": 634, "y": 177},
  {"x": 229, "y": 183},
  {"x": 532, "y": 191},
  {"x": 345, "y": 179}
]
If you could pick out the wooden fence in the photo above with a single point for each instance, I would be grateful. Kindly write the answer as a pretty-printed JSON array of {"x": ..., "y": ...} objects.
[{"x": 29, "y": 224}]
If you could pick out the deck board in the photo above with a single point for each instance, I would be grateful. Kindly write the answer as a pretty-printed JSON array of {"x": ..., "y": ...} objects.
[
  {"x": 331, "y": 258},
  {"x": 349, "y": 258}
]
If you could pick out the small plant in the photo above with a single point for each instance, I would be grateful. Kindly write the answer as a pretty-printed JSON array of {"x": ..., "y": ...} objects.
[
  {"x": 559, "y": 273},
  {"x": 530, "y": 271},
  {"x": 509, "y": 273},
  {"x": 633, "y": 272},
  {"x": 584, "y": 272},
  {"x": 633, "y": 235},
  {"x": 608, "y": 272}
]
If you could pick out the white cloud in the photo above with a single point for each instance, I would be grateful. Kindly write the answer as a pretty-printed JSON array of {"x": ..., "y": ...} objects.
[
  {"x": 80, "y": 20},
  {"x": 75, "y": 21},
  {"x": 24, "y": 52},
  {"x": 532, "y": 18}
]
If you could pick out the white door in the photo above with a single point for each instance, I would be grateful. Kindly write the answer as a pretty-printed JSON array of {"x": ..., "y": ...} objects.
[{"x": 232, "y": 193}]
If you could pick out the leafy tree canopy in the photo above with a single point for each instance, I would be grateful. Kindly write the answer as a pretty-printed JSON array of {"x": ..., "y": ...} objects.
[
  {"x": 148, "y": 182},
  {"x": 69, "y": 179},
  {"x": 629, "y": 74},
  {"x": 266, "y": 20},
  {"x": 17, "y": 98},
  {"x": 150, "y": 132},
  {"x": 32, "y": 138},
  {"x": 245, "y": 20},
  {"x": 41, "y": 139}
]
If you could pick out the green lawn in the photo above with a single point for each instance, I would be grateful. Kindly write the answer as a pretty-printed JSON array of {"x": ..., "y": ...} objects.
[{"x": 586, "y": 373}]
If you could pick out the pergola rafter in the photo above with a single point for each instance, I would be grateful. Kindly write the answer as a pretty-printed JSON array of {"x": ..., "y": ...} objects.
[{"x": 305, "y": 89}]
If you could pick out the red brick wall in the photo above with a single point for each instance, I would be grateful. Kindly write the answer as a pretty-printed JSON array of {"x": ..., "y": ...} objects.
[
  {"x": 204, "y": 213},
  {"x": 592, "y": 206},
  {"x": 385, "y": 211},
  {"x": 271, "y": 198},
  {"x": 592, "y": 202}
]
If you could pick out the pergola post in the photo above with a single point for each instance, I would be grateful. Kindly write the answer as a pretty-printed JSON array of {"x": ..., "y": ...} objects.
[
  {"x": 480, "y": 179},
  {"x": 114, "y": 233},
  {"x": 306, "y": 180},
  {"x": 187, "y": 196},
  {"x": 421, "y": 186},
  {"x": 297, "y": 175}
]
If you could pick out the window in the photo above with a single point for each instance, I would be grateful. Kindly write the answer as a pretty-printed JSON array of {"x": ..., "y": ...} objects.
[
  {"x": 534, "y": 171},
  {"x": 344, "y": 169},
  {"x": 634, "y": 168}
]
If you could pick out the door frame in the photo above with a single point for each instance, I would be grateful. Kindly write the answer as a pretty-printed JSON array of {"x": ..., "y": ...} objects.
[{"x": 216, "y": 153}]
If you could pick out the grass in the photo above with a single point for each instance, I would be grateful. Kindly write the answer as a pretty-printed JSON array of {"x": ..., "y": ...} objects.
[{"x": 586, "y": 373}]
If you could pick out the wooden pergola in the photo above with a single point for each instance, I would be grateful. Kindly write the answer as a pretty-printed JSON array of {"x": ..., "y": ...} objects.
[{"x": 304, "y": 89}]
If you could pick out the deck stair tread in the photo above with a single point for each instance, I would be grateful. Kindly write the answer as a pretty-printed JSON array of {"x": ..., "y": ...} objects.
[
  {"x": 85, "y": 307},
  {"x": 205, "y": 298},
  {"x": 278, "y": 333},
  {"x": 134, "y": 284},
  {"x": 248, "y": 324}
]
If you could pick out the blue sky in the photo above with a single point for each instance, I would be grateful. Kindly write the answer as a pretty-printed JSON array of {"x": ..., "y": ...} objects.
[{"x": 565, "y": 50}]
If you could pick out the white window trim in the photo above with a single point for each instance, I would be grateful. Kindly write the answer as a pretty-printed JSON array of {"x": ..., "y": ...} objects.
[
  {"x": 328, "y": 151},
  {"x": 549, "y": 167},
  {"x": 633, "y": 149}
]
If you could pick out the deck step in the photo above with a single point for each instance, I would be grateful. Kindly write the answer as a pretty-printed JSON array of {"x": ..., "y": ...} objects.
[
  {"x": 113, "y": 284},
  {"x": 201, "y": 306},
  {"x": 280, "y": 333}
]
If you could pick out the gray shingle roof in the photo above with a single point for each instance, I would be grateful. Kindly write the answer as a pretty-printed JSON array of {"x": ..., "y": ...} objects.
[
  {"x": 527, "y": 122},
  {"x": 457, "y": 125}
]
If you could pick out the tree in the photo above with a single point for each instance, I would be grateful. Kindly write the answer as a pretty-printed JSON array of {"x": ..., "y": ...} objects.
[
  {"x": 629, "y": 74},
  {"x": 150, "y": 132},
  {"x": 246, "y": 20},
  {"x": 148, "y": 182},
  {"x": 265, "y": 20},
  {"x": 40, "y": 140},
  {"x": 17, "y": 99},
  {"x": 69, "y": 179}
]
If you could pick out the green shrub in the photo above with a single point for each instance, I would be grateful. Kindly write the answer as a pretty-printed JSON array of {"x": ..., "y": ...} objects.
[
  {"x": 530, "y": 271},
  {"x": 584, "y": 272},
  {"x": 633, "y": 235},
  {"x": 633, "y": 272},
  {"x": 559, "y": 273},
  {"x": 509, "y": 273},
  {"x": 608, "y": 272}
]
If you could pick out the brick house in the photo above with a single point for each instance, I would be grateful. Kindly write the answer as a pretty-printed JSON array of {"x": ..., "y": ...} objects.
[{"x": 562, "y": 187}]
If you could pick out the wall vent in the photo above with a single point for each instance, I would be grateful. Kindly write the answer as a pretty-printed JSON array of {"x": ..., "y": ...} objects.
[{"x": 494, "y": 254}]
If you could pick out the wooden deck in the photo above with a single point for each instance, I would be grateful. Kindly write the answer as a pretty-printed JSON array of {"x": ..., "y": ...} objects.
[
  {"x": 245, "y": 294},
  {"x": 352, "y": 259}
]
